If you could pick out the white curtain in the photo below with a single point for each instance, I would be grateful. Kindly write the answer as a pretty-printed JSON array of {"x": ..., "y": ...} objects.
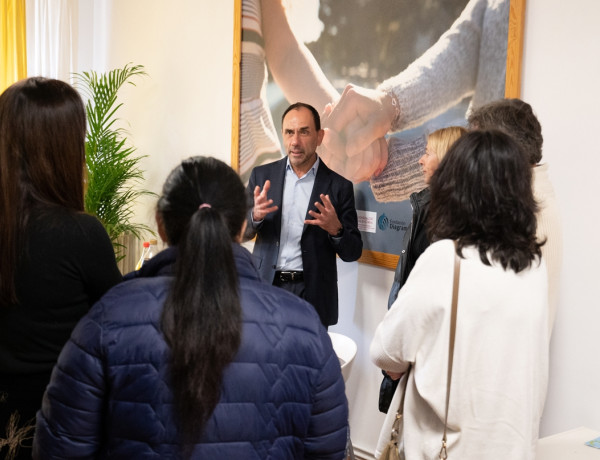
[{"x": 52, "y": 38}]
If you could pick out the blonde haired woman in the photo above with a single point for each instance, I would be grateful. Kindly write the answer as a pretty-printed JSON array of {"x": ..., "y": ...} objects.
[
  {"x": 415, "y": 238},
  {"x": 438, "y": 143}
]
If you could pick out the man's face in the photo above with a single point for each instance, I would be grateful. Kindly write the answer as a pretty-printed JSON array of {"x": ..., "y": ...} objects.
[{"x": 301, "y": 139}]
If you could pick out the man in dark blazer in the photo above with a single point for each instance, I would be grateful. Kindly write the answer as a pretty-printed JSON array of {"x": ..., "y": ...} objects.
[{"x": 303, "y": 214}]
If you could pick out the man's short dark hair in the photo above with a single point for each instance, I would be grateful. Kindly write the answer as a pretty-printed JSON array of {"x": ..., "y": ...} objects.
[
  {"x": 314, "y": 112},
  {"x": 516, "y": 118}
]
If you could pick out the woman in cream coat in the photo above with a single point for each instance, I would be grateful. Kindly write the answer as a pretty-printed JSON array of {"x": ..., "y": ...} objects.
[{"x": 481, "y": 198}]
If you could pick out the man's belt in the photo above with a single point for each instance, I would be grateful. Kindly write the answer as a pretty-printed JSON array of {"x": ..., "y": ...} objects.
[{"x": 289, "y": 276}]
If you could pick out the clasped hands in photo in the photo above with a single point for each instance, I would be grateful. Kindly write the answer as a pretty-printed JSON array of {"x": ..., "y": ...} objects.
[
  {"x": 355, "y": 126},
  {"x": 326, "y": 217}
]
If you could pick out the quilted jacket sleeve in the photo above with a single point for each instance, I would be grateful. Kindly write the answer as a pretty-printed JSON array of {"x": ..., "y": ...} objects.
[
  {"x": 328, "y": 428},
  {"x": 69, "y": 425}
]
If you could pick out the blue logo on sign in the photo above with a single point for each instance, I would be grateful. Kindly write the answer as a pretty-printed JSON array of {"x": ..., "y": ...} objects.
[{"x": 383, "y": 222}]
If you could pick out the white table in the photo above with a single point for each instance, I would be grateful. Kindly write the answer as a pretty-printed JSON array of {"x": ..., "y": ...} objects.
[{"x": 569, "y": 445}]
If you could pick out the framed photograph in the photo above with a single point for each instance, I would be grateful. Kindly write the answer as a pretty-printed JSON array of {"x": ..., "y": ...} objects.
[{"x": 451, "y": 54}]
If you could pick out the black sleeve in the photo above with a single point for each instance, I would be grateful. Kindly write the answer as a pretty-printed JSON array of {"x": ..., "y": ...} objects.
[
  {"x": 98, "y": 265},
  {"x": 250, "y": 231},
  {"x": 349, "y": 246}
]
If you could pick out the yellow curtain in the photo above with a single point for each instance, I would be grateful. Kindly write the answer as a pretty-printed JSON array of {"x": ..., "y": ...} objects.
[{"x": 13, "y": 48}]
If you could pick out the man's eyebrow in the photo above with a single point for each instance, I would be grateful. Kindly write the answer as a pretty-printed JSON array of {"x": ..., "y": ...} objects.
[{"x": 301, "y": 129}]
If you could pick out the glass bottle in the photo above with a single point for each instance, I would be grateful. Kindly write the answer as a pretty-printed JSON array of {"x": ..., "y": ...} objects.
[
  {"x": 143, "y": 258},
  {"x": 152, "y": 250}
]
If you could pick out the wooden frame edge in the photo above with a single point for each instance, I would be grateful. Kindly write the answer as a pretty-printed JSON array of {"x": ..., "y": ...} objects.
[
  {"x": 514, "y": 48},
  {"x": 237, "y": 72},
  {"x": 380, "y": 259}
]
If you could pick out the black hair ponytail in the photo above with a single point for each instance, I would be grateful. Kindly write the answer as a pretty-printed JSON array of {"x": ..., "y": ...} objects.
[{"x": 201, "y": 318}]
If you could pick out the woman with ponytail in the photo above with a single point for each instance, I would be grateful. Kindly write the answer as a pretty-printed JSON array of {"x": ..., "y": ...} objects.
[{"x": 193, "y": 356}]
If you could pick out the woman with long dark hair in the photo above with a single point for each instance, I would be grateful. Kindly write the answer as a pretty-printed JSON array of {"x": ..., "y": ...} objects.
[
  {"x": 55, "y": 261},
  {"x": 481, "y": 199},
  {"x": 195, "y": 356}
]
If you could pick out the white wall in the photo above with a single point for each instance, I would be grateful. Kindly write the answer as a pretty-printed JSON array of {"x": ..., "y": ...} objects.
[
  {"x": 560, "y": 80},
  {"x": 184, "y": 108}
]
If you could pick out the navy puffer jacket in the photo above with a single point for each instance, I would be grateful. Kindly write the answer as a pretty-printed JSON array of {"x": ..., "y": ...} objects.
[{"x": 282, "y": 397}]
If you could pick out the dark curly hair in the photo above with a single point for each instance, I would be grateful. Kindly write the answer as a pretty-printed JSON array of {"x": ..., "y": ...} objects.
[{"x": 481, "y": 196}]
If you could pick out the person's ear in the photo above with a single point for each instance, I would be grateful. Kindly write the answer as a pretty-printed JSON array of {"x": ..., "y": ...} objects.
[{"x": 320, "y": 135}]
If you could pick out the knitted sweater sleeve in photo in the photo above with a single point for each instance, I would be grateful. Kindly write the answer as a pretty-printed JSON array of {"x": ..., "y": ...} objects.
[{"x": 468, "y": 60}]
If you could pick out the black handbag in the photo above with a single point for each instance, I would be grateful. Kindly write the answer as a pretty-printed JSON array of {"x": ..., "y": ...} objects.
[{"x": 390, "y": 452}]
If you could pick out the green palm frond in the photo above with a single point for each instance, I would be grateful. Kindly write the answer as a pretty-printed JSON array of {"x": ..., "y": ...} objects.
[{"x": 114, "y": 175}]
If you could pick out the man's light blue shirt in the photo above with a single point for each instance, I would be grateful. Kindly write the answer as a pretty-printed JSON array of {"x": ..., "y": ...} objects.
[{"x": 296, "y": 196}]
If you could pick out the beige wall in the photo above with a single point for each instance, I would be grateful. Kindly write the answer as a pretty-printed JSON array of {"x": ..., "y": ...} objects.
[
  {"x": 184, "y": 108},
  {"x": 560, "y": 80}
]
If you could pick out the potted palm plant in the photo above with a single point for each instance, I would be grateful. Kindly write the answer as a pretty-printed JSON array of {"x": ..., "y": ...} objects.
[{"x": 114, "y": 175}]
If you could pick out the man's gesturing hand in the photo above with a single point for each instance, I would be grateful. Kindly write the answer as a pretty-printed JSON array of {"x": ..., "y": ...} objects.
[
  {"x": 326, "y": 218},
  {"x": 262, "y": 204}
]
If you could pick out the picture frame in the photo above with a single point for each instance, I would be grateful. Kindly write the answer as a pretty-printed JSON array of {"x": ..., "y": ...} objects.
[{"x": 514, "y": 52}]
